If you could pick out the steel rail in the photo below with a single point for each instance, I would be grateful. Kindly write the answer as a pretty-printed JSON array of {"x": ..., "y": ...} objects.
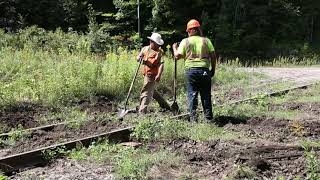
[
  {"x": 271, "y": 94},
  {"x": 34, "y": 158}
]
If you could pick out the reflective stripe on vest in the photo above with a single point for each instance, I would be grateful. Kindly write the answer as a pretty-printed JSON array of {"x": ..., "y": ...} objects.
[{"x": 204, "y": 50}]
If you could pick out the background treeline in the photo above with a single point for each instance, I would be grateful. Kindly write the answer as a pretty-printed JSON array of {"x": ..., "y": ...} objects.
[{"x": 239, "y": 28}]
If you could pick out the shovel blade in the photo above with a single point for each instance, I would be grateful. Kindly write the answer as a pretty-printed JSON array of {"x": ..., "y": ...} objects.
[
  {"x": 175, "y": 108},
  {"x": 122, "y": 113}
]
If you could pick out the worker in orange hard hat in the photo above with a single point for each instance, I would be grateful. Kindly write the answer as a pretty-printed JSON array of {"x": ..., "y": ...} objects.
[
  {"x": 200, "y": 64},
  {"x": 192, "y": 24}
]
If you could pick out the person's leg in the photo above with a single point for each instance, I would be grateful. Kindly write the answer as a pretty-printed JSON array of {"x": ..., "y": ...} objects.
[
  {"x": 161, "y": 101},
  {"x": 192, "y": 94},
  {"x": 205, "y": 93},
  {"x": 146, "y": 93}
]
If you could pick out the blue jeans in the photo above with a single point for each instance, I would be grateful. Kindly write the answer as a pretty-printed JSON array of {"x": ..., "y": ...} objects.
[{"x": 199, "y": 80}]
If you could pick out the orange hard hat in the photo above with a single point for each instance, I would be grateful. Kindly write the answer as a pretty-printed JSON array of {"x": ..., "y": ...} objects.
[{"x": 192, "y": 24}]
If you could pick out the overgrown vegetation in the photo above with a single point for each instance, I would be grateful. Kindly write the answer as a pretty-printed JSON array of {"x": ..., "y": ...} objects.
[
  {"x": 56, "y": 68},
  {"x": 14, "y": 135},
  {"x": 313, "y": 165},
  {"x": 161, "y": 129},
  {"x": 128, "y": 162}
]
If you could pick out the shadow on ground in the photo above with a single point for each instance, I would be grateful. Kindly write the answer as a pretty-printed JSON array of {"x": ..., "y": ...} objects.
[{"x": 224, "y": 120}]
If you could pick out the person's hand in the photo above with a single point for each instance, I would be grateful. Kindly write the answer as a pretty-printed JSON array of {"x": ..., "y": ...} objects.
[
  {"x": 159, "y": 54},
  {"x": 139, "y": 57},
  {"x": 175, "y": 46},
  {"x": 212, "y": 72},
  {"x": 157, "y": 78}
]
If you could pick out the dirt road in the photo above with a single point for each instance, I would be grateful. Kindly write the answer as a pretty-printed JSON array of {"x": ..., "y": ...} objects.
[{"x": 295, "y": 75}]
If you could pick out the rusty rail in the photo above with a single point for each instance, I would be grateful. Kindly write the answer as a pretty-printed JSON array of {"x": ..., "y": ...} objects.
[
  {"x": 34, "y": 158},
  {"x": 271, "y": 94}
]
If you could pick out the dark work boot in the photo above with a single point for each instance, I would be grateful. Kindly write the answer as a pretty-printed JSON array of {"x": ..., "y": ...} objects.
[{"x": 161, "y": 101}]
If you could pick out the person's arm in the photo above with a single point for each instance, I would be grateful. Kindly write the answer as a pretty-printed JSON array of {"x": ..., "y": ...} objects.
[
  {"x": 158, "y": 77},
  {"x": 140, "y": 55},
  {"x": 161, "y": 67},
  {"x": 176, "y": 54},
  {"x": 213, "y": 59}
]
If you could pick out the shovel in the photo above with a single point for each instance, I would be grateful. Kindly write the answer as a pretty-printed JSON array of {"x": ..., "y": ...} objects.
[
  {"x": 174, "y": 106},
  {"x": 125, "y": 111}
]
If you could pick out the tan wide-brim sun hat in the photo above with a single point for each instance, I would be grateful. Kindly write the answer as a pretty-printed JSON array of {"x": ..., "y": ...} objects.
[{"x": 156, "y": 37}]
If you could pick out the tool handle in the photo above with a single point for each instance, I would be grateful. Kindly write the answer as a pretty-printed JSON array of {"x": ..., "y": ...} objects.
[
  {"x": 132, "y": 83},
  {"x": 175, "y": 81}
]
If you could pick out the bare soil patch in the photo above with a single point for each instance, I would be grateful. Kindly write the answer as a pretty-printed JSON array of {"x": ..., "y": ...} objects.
[
  {"x": 25, "y": 114},
  {"x": 60, "y": 134},
  {"x": 278, "y": 130},
  {"x": 67, "y": 169},
  {"x": 231, "y": 95},
  {"x": 310, "y": 108},
  {"x": 98, "y": 104},
  {"x": 218, "y": 159}
]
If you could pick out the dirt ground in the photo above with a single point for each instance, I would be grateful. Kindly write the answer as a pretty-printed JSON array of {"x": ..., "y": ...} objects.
[
  {"x": 63, "y": 169},
  {"x": 60, "y": 134},
  {"x": 27, "y": 115},
  {"x": 24, "y": 115},
  {"x": 272, "y": 148},
  {"x": 219, "y": 159},
  {"x": 97, "y": 104},
  {"x": 296, "y": 75},
  {"x": 268, "y": 150}
]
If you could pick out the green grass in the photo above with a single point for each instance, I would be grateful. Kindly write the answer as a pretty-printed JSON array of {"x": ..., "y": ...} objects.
[
  {"x": 241, "y": 172},
  {"x": 313, "y": 165},
  {"x": 284, "y": 114},
  {"x": 308, "y": 99},
  {"x": 61, "y": 79},
  {"x": 159, "y": 129},
  {"x": 283, "y": 99},
  {"x": 16, "y": 134},
  {"x": 241, "y": 110},
  {"x": 128, "y": 162},
  {"x": 57, "y": 69},
  {"x": 261, "y": 106},
  {"x": 310, "y": 95},
  {"x": 281, "y": 61},
  {"x": 257, "y": 109},
  {"x": 52, "y": 79}
]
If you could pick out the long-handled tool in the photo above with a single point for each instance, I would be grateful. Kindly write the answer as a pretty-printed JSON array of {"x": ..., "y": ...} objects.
[
  {"x": 124, "y": 111},
  {"x": 174, "y": 106}
]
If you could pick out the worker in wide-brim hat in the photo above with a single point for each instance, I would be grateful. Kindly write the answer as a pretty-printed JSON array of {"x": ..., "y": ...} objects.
[
  {"x": 200, "y": 64},
  {"x": 152, "y": 71}
]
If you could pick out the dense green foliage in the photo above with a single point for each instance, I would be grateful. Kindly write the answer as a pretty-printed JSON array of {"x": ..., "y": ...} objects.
[
  {"x": 240, "y": 28},
  {"x": 57, "y": 68}
]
